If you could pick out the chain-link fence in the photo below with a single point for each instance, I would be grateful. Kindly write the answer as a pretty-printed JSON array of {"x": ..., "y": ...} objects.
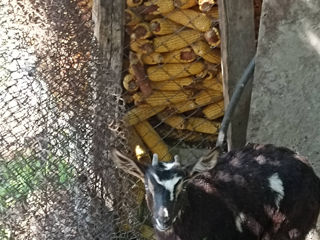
[{"x": 60, "y": 115}]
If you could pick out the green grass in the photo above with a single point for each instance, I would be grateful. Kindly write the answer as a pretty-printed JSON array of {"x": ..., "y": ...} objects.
[{"x": 26, "y": 173}]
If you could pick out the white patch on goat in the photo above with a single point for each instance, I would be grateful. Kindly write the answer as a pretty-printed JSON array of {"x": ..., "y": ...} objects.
[
  {"x": 168, "y": 184},
  {"x": 165, "y": 212},
  {"x": 239, "y": 221},
  {"x": 276, "y": 185},
  {"x": 168, "y": 166}
]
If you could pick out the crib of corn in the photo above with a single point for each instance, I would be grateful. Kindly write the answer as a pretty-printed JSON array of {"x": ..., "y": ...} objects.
[{"x": 173, "y": 80}]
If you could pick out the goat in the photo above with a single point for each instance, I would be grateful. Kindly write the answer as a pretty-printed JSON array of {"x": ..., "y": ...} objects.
[{"x": 258, "y": 192}]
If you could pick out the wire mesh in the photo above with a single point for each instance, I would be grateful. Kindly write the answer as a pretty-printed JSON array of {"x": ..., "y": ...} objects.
[
  {"x": 58, "y": 121},
  {"x": 61, "y": 114}
]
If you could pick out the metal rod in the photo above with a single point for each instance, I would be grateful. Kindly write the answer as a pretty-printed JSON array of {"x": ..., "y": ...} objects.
[{"x": 248, "y": 72}]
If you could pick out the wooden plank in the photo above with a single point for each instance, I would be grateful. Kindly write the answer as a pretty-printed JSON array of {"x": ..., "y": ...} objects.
[
  {"x": 108, "y": 16},
  {"x": 238, "y": 48}
]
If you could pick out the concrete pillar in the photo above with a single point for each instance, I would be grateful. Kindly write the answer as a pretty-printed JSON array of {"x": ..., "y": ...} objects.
[{"x": 285, "y": 104}]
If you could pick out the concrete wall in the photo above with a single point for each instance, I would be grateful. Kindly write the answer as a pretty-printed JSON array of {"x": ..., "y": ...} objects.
[{"x": 285, "y": 104}]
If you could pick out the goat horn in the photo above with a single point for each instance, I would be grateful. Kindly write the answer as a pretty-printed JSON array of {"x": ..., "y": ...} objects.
[
  {"x": 155, "y": 159},
  {"x": 177, "y": 159}
]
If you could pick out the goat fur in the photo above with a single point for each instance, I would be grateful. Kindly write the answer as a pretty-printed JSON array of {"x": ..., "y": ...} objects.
[{"x": 234, "y": 200}]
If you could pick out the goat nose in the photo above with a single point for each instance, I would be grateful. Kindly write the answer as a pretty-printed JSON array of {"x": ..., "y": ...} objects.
[{"x": 163, "y": 212}]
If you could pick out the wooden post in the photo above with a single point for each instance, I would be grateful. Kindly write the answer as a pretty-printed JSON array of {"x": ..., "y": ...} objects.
[
  {"x": 108, "y": 16},
  {"x": 237, "y": 47}
]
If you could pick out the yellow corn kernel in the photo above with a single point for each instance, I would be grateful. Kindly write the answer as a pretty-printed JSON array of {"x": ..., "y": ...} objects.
[
  {"x": 162, "y": 26},
  {"x": 143, "y": 46},
  {"x": 184, "y": 4},
  {"x": 175, "y": 121},
  {"x": 206, "y": 5},
  {"x": 202, "y": 125},
  {"x": 202, "y": 49},
  {"x": 131, "y": 17},
  {"x": 141, "y": 31},
  {"x": 129, "y": 83},
  {"x": 207, "y": 96},
  {"x": 212, "y": 83},
  {"x": 199, "y": 100},
  {"x": 214, "y": 110},
  {"x": 152, "y": 139},
  {"x": 174, "y": 70},
  {"x": 214, "y": 12},
  {"x": 192, "y": 123},
  {"x": 163, "y": 98},
  {"x": 134, "y": 3},
  {"x": 184, "y": 55},
  {"x": 172, "y": 85},
  {"x": 152, "y": 59},
  {"x": 137, "y": 145},
  {"x": 213, "y": 37},
  {"x": 175, "y": 41},
  {"x": 190, "y": 18},
  {"x": 185, "y": 106},
  {"x": 160, "y": 6},
  {"x": 141, "y": 113}
]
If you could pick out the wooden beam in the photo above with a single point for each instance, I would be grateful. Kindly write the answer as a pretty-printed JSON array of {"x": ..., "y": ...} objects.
[
  {"x": 108, "y": 16},
  {"x": 238, "y": 48}
]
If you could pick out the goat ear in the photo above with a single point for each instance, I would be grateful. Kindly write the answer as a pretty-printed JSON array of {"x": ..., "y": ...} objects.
[
  {"x": 204, "y": 163},
  {"x": 128, "y": 165}
]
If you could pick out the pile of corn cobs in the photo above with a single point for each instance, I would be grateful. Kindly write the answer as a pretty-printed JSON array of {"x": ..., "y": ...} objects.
[{"x": 173, "y": 80}]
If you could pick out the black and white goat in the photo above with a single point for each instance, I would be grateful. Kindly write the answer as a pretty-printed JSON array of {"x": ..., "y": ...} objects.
[{"x": 259, "y": 192}]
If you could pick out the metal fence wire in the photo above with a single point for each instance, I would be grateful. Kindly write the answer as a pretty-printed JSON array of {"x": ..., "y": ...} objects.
[{"x": 60, "y": 114}]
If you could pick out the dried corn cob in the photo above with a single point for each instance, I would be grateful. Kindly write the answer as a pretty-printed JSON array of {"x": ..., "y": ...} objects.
[
  {"x": 162, "y": 26},
  {"x": 185, "y": 106},
  {"x": 141, "y": 113},
  {"x": 175, "y": 41},
  {"x": 135, "y": 143},
  {"x": 184, "y": 55},
  {"x": 159, "y": 6},
  {"x": 163, "y": 98},
  {"x": 212, "y": 83},
  {"x": 202, "y": 125},
  {"x": 139, "y": 74},
  {"x": 129, "y": 83},
  {"x": 144, "y": 46},
  {"x": 131, "y": 17},
  {"x": 134, "y": 3},
  {"x": 184, "y": 4},
  {"x": 201, "y": 75},
  {"x": 175, "y": 121},
  {"x": 172, "y": 85},
  {"x": 174, "y": 70},
  {"x": 214, "y": 12},
  {"x": 214, "y": 110},
  {"x": 203, "y": 98},
  {"x": 152, "y": 59},
  {"x": 207, "y": 96},
  {"x": 213, "y": 37},
  {"x": 202, "y": 49},
  {"x": 206, "y": 5},
  {"x": 190, "y": 18},
  {"x": 192, "y": 123},
  {"x": 152, "y": 139},
  {"x": 141, "y": 31}
]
